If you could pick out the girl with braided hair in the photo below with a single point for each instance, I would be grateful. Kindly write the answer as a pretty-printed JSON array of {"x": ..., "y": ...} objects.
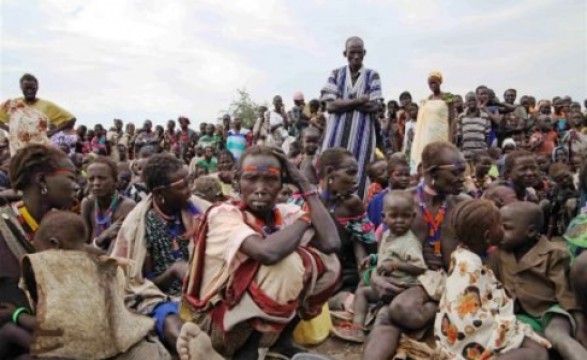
[{"x": 476, "y": 319}]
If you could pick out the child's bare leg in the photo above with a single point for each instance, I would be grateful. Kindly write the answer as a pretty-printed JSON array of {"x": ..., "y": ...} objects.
[
  {"x": 171, "y": 329},
  {"x": 13, "y": 337},
  {"x": 529, "y": 349},
  {"x": 558, "y": 332},
  {"x": 383, "y": 339},
  {"x": 363, "y": 297},
  {"x": 355, "y": 332},
  {"x": 413, "y": 309},
  {"x": 194, "y": 344}
]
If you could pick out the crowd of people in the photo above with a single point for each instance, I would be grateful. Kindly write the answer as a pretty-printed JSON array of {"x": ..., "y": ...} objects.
[{"x": 452, "y": 228}]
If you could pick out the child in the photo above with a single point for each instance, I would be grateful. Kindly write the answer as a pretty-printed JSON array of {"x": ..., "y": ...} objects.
[
  {"x": 98, "y": 327},
  {"x": 285, "y": 194},
  {"x": 508, "y": 146},
  {"x": 477, "y": 183},
  {"x": 209, "y": 161},
  {"x": 563, "y": 200},
  {"x": 310, "y": 144},
  {"x": 544, "y": 139},
  {"x": 398, "y": 171},
  {"x": 500, "y": 195},
  {"x": 410, "y": 129},
  {"x": 473, "y": 128},
  {"x": 208, "y": 188},
  {"x": 521, "y": 172},
  {"x": 533, "y": 270},
  {"x": 399, "y": 257},
  {"x": 475, "y": 318},
  {"x": 377, "y": 173}
]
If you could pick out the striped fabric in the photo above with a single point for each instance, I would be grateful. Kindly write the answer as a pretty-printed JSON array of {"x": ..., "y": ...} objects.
[
  {"x": 353, "y": 130},
  {"x": 473, "y": 132}
]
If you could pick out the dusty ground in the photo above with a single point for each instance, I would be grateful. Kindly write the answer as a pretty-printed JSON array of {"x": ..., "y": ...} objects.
[{"x": 339, "y": 350}]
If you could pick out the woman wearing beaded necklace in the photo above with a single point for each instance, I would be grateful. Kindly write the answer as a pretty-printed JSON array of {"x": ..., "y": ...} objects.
[
  {"x": 154, "y": 238},
  {"x": 414, "y": 309},
  {"x": 105, "y": 210},
  {"x": 46, "y": 178}
]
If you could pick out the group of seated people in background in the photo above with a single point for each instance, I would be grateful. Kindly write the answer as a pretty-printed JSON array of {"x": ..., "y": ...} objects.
[{"x": 217, "y": 244}]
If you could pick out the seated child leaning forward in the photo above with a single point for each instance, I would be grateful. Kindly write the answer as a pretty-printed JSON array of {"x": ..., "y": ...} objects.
[
  {"x": 399, "y": 257},
  {"x": 98, "y": 327},
  {"x": 475, "y": 319},
  {"x": 533, "y": 270}
]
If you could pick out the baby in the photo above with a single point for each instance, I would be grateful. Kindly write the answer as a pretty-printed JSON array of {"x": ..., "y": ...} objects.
[
  {"x": 57, "y": 277},
  {"x": 399, "y": 257}
]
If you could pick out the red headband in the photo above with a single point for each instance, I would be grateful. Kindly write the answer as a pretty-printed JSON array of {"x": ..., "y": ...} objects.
[{"x": 266, "y": 169}]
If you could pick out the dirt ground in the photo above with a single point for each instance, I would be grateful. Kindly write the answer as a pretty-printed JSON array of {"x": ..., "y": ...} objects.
[{"x": 339, "y": 350}]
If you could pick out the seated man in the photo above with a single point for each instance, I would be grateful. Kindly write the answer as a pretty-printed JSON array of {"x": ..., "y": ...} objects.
[{"x": 263, "y": 262}]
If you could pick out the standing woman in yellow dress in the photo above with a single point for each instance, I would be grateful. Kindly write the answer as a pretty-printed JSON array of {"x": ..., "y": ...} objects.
[{"x": 434, "y": 120}]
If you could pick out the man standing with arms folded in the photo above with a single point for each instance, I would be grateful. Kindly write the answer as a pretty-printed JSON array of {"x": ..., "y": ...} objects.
[{"x": 353, "y": 95}]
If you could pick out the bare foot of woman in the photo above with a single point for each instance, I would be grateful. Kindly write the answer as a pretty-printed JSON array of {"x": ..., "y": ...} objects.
[{"x": 194, "y": 344}]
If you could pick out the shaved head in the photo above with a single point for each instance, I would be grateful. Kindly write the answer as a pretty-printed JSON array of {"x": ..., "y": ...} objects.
[
  {"x": 354, "y": 40},
  {"x": 527, "y": 212}
]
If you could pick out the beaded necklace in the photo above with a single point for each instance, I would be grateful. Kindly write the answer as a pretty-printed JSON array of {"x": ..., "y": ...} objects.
[
  {"x": 434, "y": 223},
  {"x": 104, "y": 220}
]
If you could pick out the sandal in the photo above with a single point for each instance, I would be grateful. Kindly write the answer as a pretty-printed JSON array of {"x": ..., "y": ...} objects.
[{"x": 350, "y": 332}]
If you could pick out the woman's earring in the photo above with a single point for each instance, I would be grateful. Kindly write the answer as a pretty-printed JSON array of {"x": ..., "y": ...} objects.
[
  {"x": 44, "y": 190},
  {"x": 330, "y": 181},
  {"x": 433, "y": 182},
  {"x": 162, "y": 200}
]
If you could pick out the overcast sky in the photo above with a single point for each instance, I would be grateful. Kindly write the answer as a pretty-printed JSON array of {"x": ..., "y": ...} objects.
[{"x": 132, "y": 59}]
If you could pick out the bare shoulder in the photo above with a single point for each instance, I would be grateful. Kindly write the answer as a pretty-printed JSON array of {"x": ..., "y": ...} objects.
[{"x": 127, "y": 205}]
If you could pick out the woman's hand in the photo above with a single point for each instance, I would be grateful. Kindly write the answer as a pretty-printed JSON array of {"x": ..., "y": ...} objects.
[
  {"x": 6, "y": 311},
  {"x": 179, "y": 269},
  {"x": 433, "y": 261},
  {"x": 295, "y": 175},
  {"x": 386, "y": 287}
]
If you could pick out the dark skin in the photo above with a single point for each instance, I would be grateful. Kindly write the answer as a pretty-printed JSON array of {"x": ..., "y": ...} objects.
[
  {"x": 102, "y": 187},
  {"x": 437, "y": 94},
  {"x": 22, "y": 334},
  {"x": 522, "y": 232},
  {"x": 310, "y": 144},
  {"x": 171, "y": 200},
  {"x": 411, "y": 308},
  {"x": 523, "y": 175},
  {"x": 354, "y": 53},
  {"x": 29, "y": 90},
  {"x": 260, "y": 190}
]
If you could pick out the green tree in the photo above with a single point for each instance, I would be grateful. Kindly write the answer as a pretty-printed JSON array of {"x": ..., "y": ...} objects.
[{"x": 245, "y": 107}]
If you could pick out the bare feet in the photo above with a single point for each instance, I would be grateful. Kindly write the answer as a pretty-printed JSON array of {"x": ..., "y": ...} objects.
[{"x": 194, "y": 344}]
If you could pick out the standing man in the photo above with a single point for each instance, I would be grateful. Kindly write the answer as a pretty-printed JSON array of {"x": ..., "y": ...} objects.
[
  {"x": 27, "y": 119},
  {"x": 353, "y": 95},
  {"x": 113, "y": 137}
]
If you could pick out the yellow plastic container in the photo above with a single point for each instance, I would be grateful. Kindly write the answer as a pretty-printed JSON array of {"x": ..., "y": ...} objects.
[{"x": 315, "y": 331}]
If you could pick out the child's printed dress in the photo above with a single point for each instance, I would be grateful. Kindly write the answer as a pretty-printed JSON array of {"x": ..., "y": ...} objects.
[{"x": 475, "y": 319}]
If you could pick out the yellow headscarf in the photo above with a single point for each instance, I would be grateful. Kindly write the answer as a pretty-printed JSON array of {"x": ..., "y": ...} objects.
[{"x": 436, "y": 74}]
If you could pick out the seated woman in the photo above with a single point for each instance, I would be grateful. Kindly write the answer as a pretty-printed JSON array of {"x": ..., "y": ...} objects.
[
  {"x": 106, "y": 208},
  {"x": 155, "y": 237},
  {"x": 46, "y": 178},
  {"x": 476, "y": 319},
  {"x": 256, "y": 265},
  {"x": 99, "y": 326},
  {"x": 338, "y": 171}
]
